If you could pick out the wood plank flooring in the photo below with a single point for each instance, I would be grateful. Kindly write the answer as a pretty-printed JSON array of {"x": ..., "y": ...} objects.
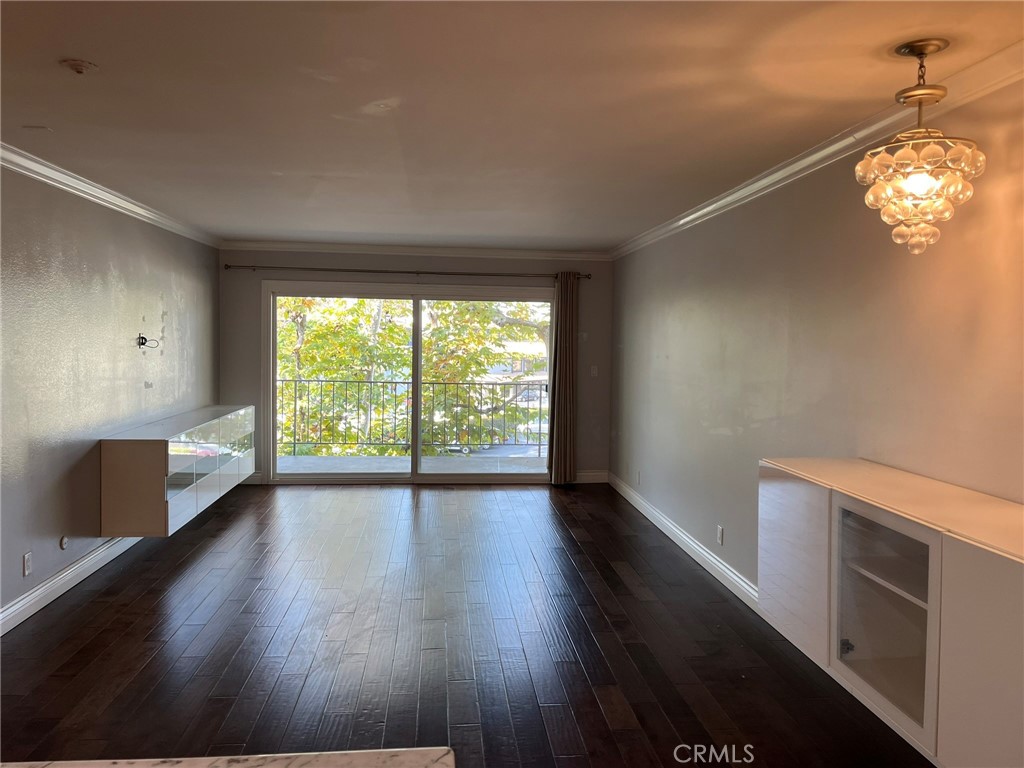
[{"x": 525, "y": 626}]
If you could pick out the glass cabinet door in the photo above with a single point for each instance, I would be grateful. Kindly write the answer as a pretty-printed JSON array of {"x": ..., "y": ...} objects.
[
  {"x": 886, "y": 611},
  {"x": 883, "y": 618},
  {"x": 181, "y": 464},
  {"x": 228, "y": 433},
  {"x": 207, "y": 439}
]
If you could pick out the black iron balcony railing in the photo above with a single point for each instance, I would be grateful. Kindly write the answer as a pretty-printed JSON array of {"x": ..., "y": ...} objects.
[{"x": 315, "y": 416}]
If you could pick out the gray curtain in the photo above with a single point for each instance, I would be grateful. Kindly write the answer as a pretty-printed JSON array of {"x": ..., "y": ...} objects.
[{"x": 562, "y": 440}]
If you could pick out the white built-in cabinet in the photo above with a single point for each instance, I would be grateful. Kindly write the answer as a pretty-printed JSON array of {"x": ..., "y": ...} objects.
[
  {"x": 909, "y": 591},
  {"x": 157, "y": 477}
]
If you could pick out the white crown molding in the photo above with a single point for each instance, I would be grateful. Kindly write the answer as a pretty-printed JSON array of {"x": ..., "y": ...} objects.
[
  {"x": 15, "y": 612},
  {"x": 284, "y": 246},
  {"x": 736, "y": 582},
  {"x": 999, "y": 70},
  {"x": 34, "y": 167}
]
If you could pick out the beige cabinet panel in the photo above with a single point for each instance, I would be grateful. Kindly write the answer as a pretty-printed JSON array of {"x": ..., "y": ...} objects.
[{"x": 792, "y": 559}]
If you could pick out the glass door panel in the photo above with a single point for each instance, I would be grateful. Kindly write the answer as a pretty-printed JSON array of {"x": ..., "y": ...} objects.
[
  {"x": 343, "y": 385},
  {"x": 484, "y": 387},
  {"x": 207, "y": 440},
  {"x": 181, "y": 463},
  {"x": 883, "y": 610}
]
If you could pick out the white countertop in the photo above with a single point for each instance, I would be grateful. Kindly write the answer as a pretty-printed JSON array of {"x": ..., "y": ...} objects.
[
  {"x": 430, "y": 757},
  {"x": 977, "y": 517},
  {"x": 172, "y": 426}
]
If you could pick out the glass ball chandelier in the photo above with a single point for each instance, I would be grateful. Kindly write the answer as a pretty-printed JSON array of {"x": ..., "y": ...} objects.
[{"x": 919, "y": 176}]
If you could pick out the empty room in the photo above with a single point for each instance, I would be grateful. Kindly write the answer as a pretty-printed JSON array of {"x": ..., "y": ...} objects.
[{"x": 493, "y": 384}]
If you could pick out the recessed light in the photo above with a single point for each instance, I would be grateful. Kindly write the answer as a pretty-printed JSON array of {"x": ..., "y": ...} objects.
[
  {"x": 37, "y": 128},
  {"x": 79, "y": 66},
  {"x": 381, "y": 106}
]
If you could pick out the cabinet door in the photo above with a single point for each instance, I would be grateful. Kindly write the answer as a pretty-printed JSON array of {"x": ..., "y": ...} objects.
[
  {"x": 792, "y": 559},
  {"x": 885, "y": 613},
  {"x": 981, "y": 665}
]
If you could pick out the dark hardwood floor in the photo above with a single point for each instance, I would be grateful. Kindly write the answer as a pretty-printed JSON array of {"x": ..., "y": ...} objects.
[{"x": 525, "y": 626}]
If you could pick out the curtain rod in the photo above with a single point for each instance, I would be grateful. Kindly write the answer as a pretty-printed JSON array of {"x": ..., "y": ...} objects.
[{"x": 417, "y": 272}]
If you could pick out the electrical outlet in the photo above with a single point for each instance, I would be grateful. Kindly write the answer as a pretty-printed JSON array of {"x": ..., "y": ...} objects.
[
  {"x": 638, "y": 478},
  {"x": 593, "y": 371},
  {"x": 26, "y": 564},
  {"x": 720, "y": 536}
]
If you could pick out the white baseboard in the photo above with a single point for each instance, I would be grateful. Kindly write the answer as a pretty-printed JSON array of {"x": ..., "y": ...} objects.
[
  {"x": 256, "y": 478},
  {"x": 12, "y": 614},
  {"x": 582, "y": 476},
  {"x": 738, "y": 584}
]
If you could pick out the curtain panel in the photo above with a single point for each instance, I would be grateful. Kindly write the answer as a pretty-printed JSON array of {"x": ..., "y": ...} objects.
[{"x": 562, "y": 437}]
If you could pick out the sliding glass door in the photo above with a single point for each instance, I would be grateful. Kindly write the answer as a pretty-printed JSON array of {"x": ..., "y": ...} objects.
[
  {"x": 343, "y": 385},
  {"x": 439, "y": 384},
  {"x": 484, "y": 389}
]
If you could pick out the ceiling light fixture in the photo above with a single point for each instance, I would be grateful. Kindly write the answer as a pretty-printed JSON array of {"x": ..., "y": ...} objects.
[
  {"x": 918, "y": 176},
  {"x": 79, "y": 66}
]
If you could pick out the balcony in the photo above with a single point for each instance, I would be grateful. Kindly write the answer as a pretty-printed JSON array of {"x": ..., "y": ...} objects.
[{"x": 365, "y": 427}]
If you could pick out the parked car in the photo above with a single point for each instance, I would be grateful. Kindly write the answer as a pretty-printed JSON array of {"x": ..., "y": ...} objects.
[{"x": 467, "y": 449}]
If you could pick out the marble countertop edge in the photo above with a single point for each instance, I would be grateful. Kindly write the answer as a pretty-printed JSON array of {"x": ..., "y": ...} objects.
[{"x": 425, "y": 757}]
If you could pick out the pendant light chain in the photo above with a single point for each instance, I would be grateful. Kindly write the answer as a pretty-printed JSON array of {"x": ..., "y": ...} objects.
[{"x": 921, "y": 71}]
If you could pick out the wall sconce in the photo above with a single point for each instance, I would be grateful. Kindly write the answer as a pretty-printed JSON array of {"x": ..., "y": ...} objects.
[
  {"x": 145, "y": 343},
  {"x": 918, "y": 177}
]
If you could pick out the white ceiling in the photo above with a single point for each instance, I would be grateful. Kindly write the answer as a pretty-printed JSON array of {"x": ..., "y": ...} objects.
[{"x": 549, "y": 125}]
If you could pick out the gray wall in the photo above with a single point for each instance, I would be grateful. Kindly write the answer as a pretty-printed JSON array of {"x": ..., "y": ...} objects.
[
  {"x": 79, "y": 282},
  {"x": 240, "y": 323},
  {"x": 793, "y": 326}
]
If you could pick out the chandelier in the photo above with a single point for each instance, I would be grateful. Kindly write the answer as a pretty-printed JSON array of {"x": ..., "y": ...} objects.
[{"x": 919, "y": 176}]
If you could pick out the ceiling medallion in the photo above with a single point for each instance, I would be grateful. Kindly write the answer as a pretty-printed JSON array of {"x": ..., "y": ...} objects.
[{"x": 918, "y": 177}]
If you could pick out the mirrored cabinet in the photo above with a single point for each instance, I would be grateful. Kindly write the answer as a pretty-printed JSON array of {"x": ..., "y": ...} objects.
[
  {"x": 181, "y": 464},
  {"x": 157, "y": 477}
]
